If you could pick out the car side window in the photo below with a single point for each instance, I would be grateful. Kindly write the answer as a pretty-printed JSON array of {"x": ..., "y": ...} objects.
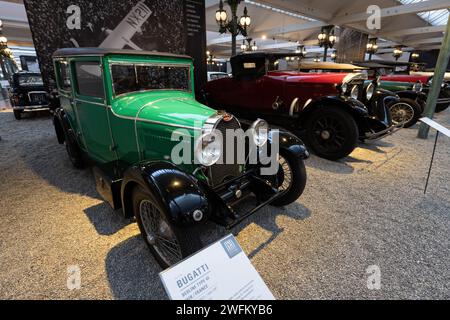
[
  {"x": 89, "y": 79},
  {"x": 64, "y": 75}
]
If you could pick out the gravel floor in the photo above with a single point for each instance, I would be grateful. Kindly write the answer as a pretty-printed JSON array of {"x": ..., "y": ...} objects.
[{"x": 368, "y": 209}]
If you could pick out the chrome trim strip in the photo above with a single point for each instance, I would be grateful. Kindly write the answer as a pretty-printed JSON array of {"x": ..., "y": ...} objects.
[
  {"x": 90, "y": 102},
  {"x": 291, "y": 109}
]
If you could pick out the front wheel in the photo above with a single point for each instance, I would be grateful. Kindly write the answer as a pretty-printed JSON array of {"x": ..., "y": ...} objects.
[
  {"x": 406, "y": 111},
  {"x": 291, "y": 179},
  {"x": 168, "y": 243},
  {"x": 331, "y": 132}
]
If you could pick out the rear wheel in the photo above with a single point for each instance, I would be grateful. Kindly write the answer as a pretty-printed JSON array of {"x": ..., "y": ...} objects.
[
  {"x": 291, "y": 178},
  {"x": 331, "y": 132},
  {"x": 18, "y": 114},
  {"x": 168, "y": 243},
  {"x": 74, "y": 152},
  {"x": 407, "y": 111},
  {"x": 445, "y": 93}
]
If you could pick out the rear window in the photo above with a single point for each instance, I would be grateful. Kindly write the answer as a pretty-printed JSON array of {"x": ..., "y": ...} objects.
[
  {"x": 89, "y": 79},
  {"x": 142, "y": 77},
  {"x": 30, "y": 80},
  {"x": 64, "y": 75}
]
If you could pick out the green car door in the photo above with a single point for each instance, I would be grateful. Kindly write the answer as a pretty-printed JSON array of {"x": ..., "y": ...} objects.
[{"x": 91, "y": 108}]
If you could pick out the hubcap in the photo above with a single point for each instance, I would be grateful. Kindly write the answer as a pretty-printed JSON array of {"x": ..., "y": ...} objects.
[
  {"x": 329, "y": 133},
  {"x": 326, "y": 135},
  {"x": 159, "y": 233},
  {"x": 402, "y": 113}
]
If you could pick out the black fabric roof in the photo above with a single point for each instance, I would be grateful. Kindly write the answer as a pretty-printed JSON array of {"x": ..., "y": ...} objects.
[{"x": 71, "y": 52}]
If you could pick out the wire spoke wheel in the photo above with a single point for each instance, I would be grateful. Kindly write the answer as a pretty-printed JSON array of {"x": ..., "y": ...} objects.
[
  {"x": 287, "y": 176},
  {"x": 402, "y": 113},
  {"x": 159, "y": 233}
]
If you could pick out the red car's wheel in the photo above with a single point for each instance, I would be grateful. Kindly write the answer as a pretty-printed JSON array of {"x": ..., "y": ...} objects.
[{"x": 331, "y": 132}]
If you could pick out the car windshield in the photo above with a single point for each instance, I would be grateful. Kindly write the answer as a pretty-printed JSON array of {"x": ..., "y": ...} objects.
[
  {"x": 30, "y": 80},
  {"x": 143, "y": 77}
]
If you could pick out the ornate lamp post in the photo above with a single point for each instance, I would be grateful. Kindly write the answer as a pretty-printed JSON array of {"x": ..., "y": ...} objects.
[
  {"x": 372, "y": 47},
  {"x": 248, "y": 46},
  {"x": 301, "y": 51},
  {"x": 235, "y": 26},
  {"x": 334, "y": 56},
  {"x": 415, "y": 56},
  {"x": 398, "y": 52},
  {"x": 327, "y": 39}
]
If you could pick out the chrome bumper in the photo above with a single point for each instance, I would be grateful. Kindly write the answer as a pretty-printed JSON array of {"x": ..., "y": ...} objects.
[
  {"x": 374, "y": 136},
  {"x": 34, "y": 107}
]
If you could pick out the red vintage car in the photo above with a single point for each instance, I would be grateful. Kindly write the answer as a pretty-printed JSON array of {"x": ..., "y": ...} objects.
[{"x": 326, "y": 109}]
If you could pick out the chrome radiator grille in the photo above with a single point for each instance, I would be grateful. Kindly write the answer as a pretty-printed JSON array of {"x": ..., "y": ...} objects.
[{"x": 221, "y": 171}]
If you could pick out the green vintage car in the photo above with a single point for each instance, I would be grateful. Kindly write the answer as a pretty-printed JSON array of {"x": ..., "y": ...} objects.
[
  {"x": 412, "y": 101},
  {"x": 126, "y": 112}
]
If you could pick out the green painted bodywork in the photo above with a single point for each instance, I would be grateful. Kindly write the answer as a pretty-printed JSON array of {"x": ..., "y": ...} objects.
[
  {"x": 395, "y": 86},
  {"x": 137, "y": 126}
]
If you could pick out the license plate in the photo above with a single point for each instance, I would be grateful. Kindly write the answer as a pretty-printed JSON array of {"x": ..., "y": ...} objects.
[{"x": 38, "y": 98}]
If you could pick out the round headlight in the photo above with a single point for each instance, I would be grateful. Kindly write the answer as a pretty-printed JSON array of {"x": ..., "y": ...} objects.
[
  {"x": 355, "y": 92},
  {"x": 418, "y": 86},
  {"x": 208, "y": 149},
  {"x": 344, "y": 88},
  {"x": 260, "y": 132},
  {"x": 369, "y": 91}
]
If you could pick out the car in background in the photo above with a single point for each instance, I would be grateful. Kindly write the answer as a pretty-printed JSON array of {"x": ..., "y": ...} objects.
[
  {"x": 28, "y": 93},
  {"x": 125, "y": 111},
  {"x": 214, "y": 75},
  {"x": 325, "y": 108},
  {"x": 402, "y": 72}
]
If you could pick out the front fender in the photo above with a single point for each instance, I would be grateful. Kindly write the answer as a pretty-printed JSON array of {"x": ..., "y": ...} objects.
[
  {"x": 62, "y": 125},
  {"x": 178, "y": 192},
  {"x": 355, "y": 107},
  {"x": 290, "y": 143},
  {"x": 409, "y": 94}
]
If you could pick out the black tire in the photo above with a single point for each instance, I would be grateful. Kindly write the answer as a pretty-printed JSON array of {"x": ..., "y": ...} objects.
[
  {"x": 17, "y": 114},
  {"x": 187, "y": 240},
  {"x": 443, "y": 94},
  {"x": 407, "y": 111},
  {"x": 331, "y": 132},
  {"x": 74, "y": 152},
  {"x": 298, "y": 180}
]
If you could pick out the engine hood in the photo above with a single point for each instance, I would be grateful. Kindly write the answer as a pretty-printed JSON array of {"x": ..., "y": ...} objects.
[{"x": 171, "y": 108}]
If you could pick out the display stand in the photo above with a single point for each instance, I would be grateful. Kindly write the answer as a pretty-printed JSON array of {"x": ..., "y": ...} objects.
[{"x": 439, "y": 129}]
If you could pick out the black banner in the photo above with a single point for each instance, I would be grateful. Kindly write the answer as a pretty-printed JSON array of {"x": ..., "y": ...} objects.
[{"x": 175, "y": 26}]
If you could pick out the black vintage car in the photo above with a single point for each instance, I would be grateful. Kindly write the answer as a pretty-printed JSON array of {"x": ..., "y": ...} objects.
[{"x": 28, "y": 93}]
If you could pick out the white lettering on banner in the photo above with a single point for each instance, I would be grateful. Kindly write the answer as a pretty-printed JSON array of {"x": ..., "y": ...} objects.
[
  {"x": 374, "y": 20},
  {"x": 74, "y": 20}
]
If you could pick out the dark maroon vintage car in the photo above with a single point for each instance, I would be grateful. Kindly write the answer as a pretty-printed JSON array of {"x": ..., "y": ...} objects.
[{"x": 326, "y": 109}]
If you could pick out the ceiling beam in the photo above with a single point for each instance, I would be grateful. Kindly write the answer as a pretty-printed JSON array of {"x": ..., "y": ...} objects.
[
  {"x": 224, "y": 39},
  {"x": 393, "y": 11},
  {"x": 310, "y": 25},
  {"x": 15, "y": 24},
  {"x": 424, "y": 41},
  {"x": 412, "y": 31},
  {"x": 211, "y": 3}
]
